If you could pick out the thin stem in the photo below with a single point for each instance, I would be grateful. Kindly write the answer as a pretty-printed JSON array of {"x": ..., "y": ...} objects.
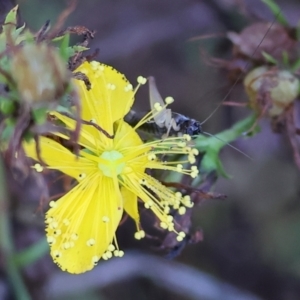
[{"x": 7, "y": 245}]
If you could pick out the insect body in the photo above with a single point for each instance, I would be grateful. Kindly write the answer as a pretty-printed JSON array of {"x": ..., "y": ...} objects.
[
  {"x": 182, "y": 124},
  {"x": 165, "y": 122}
]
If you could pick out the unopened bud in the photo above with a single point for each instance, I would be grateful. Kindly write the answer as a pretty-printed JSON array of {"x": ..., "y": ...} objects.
[
  {"x": 40, "y": 74},
  {"x": 281, "y": 86}
]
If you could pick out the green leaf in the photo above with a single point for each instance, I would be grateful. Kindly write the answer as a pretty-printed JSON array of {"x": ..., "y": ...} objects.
[
  {"x": 78, "y": 48},
  {"x": 40, "y": 115},
  {"x": 211, "y": 162},
  {"x": 32, "y": 254},
  {"x": 298, "y": 31},
  {"x": 276, "y": 10},
  {"x": 64, "y": 46},
  {"x": 11, "y": 17},
  {"x": 62, "y": 109},
  {"x": 286, "y": 59},
  {"x": 10, "y": 23},
  {"x": 296, "y": 66},
  {"x": 7, "y": 106},
  {"x": 269, "y": 58},
  {"x": 25, "y": 35},
  {"x": 8, "y": 130},
  {"x": 75, "y": 49}
]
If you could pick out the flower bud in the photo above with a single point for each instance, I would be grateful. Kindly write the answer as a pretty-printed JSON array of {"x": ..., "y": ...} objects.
[
  {"x": 40, "y": 74},
  {"x": 265, "y": 84}
]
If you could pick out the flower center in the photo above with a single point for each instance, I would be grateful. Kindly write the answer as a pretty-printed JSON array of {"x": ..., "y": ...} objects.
[{"x": 111, "y": 168}]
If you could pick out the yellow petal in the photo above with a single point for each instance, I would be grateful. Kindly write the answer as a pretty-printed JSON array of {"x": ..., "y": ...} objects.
[
  {"x": 126, "y": 137},
  {"x": 110, "y": 97},
  {"x": 82, "y": 224},
  {"x": 60, "y": 158},
  {"x": 89, "y": 136},
  {"x": 131, "y": 204}
]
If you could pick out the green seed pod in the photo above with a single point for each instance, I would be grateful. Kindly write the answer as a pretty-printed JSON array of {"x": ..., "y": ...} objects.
[
  {"x": 273, "y": 87},
  {"x": 40, "y": 75}
]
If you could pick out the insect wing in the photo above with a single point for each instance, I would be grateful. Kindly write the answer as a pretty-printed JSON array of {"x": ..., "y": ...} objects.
[{"x": 163, "y": 116}]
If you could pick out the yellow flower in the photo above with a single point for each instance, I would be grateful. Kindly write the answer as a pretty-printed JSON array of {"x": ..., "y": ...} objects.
[{"x": 111, "y": 174}]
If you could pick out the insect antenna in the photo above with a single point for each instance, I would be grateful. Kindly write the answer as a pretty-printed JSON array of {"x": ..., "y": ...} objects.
[
  {"x": 243, "y": 69},
  {"x": 228, "y": 144}
]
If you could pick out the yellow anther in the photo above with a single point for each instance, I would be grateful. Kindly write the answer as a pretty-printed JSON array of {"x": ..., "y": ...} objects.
[
  {"x": 74, "y": 236},
  {"x": 179, "y": 238},
  {"x": 191, "y": 158},
  {"x": 182, "y": 210},
  {"x": 95, "y": 259},
  {"x": 182, "y": 234},
  {"x": 66, "y": 245},
  {"x": 53, "y": 204},
  {"x": 91, "y": 242},
  {"x": 51, "y": 240},
  {"x": 141, "y": 80},
  {"x": 169, "y": 100},
  {"x": 195, "y": 151},
  {"x": 49, "y": 220},
  {"x": 167, "y": 210},
  {"x": 151, "y": 156},
  {"x": 157, "y": 106},
  {"x": 171, "y": 226},
  {"x": 128, "y": 87},
  {"x": 187, "y": 137},
  {"x": 111, "y": 86},
  {"x": 111, "y": 247},
  {"x": 179, "y": 168},
  {"x": 181, "y": 144},
  {"x": 170, "y": 218},
  {"x": 105, "y": 219},
  {"x": 57, "y": 232},
  {"x": 53, "y": 225},
  {"x": 66, "y": 222},
  {"x": 178, "y": 195},
  {"x": 57, "y": 254},
  {"x": 81, "y": 176},
  {"x": 38, "y": 167},
  {"x": 137, "y": 235},
  {"x": 163, "y": 225}
]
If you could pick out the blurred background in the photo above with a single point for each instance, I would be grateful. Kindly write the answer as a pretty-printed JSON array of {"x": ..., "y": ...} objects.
[{"x": 251, "y": 240}]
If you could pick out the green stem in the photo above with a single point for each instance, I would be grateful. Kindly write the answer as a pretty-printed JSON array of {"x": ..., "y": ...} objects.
[
  {"x": 211, "y": 147},
  {"x": 32, "y": 253},
  {"x": 222, "y": 139},
  {"x": 7, "y": 245}
]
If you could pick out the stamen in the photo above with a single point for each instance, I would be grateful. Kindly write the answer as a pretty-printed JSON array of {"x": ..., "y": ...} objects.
[
  {"x": 141, "y": 80},
  {"x": 169, "y": 100},
  {"x": 91, "y": 242},
  {"x": 105, "y": 219},
  {"x": 38, "y": 168},
  {"x": 182, "y": 210},
  {"x": 53, "y": 204},
  {"x": 157, "y": 106}
]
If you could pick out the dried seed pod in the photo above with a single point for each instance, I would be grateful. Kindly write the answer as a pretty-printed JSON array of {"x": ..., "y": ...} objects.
[
  {"x": 271, "y": 89},
  {"x": 40, "y": 74},
  {"x": 277, "y": 41}
]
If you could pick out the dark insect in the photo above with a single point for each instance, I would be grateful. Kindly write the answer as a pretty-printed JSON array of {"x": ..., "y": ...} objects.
[{"x": 165, "y": 122}]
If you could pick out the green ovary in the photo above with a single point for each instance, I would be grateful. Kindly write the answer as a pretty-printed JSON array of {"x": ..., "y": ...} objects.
[{"x": 111, "y": 168}]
